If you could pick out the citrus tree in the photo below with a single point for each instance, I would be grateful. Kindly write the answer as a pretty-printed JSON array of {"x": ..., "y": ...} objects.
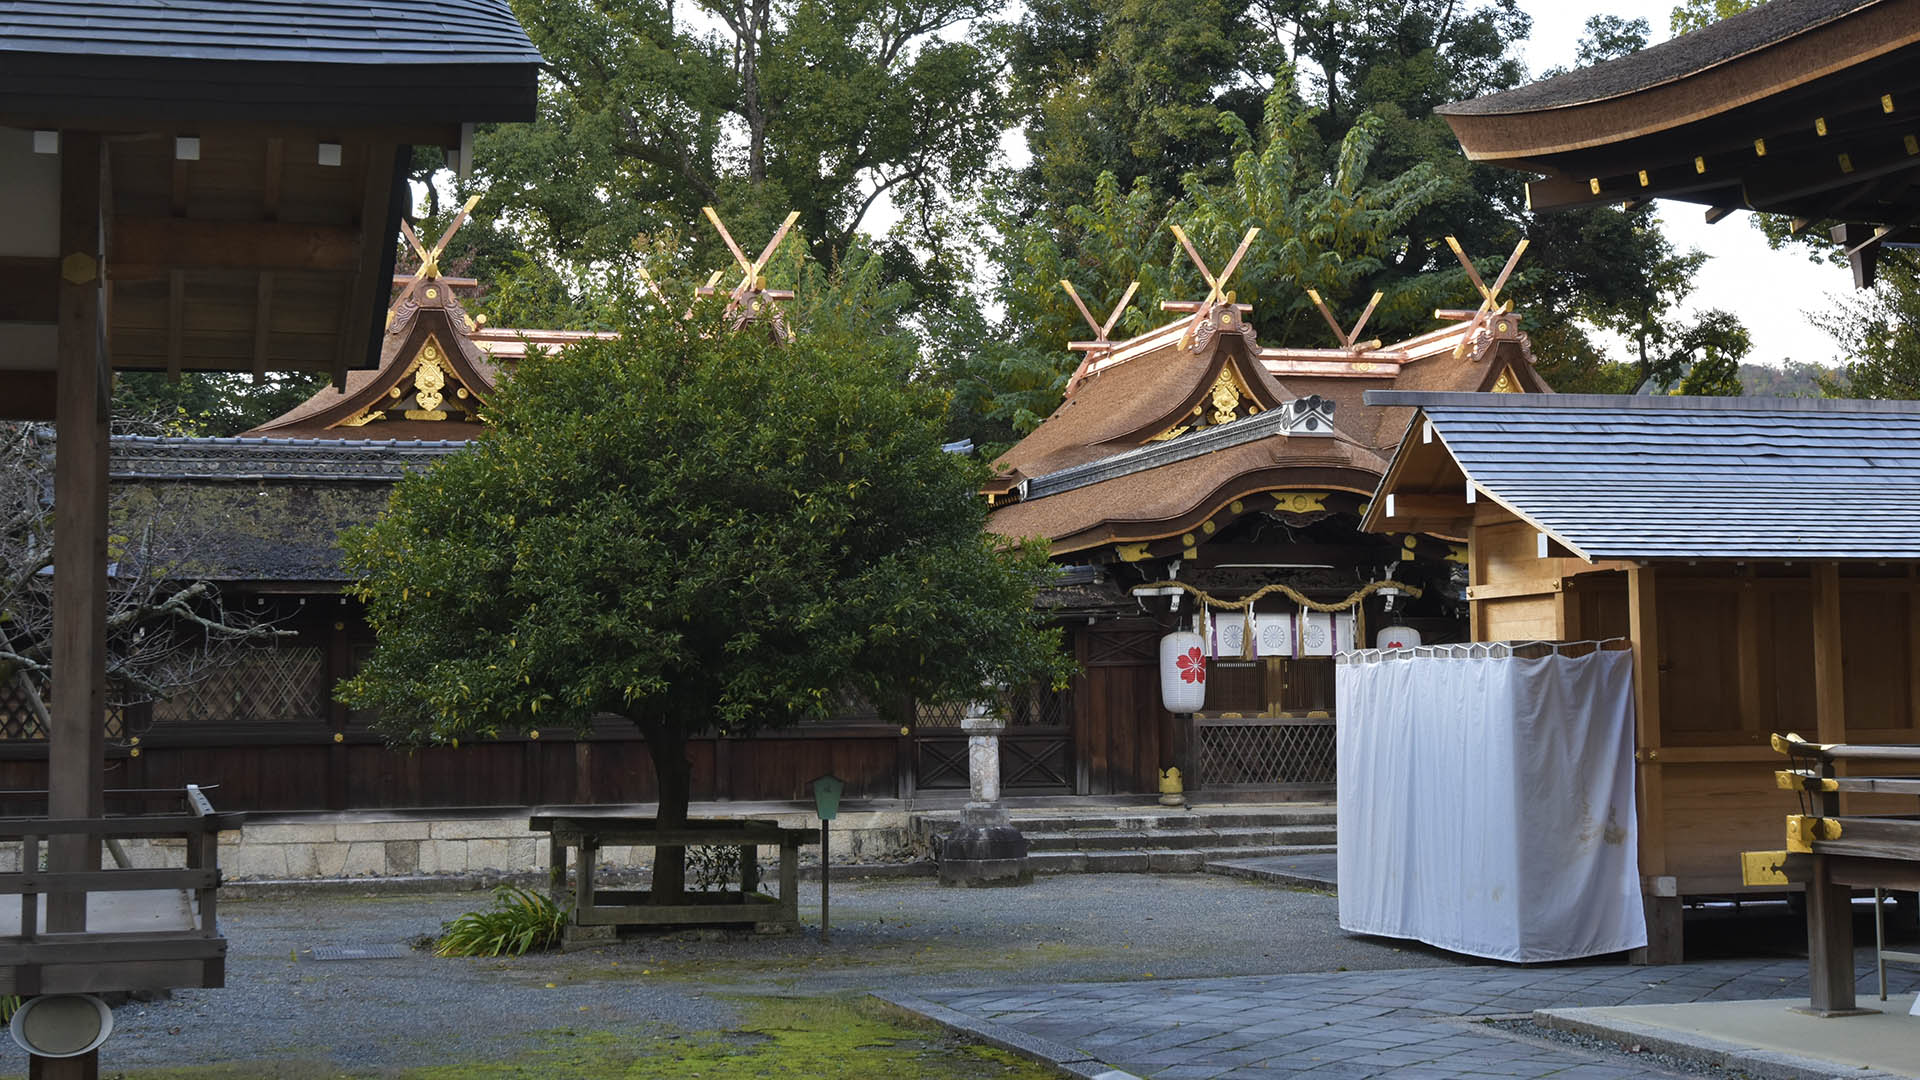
[{"x": 704, "y": 532}]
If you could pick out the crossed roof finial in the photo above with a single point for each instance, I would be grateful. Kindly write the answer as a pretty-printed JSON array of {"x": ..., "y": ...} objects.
[
  {"x": 751, "y": 298},
  {"x": 1349, "y": 339},
  {"x": 430, "y": 257},
  {"x": 1100, "y": 345},
  {"x": 1216, "y": 285},
  {"x": 1489, "y": 297}
]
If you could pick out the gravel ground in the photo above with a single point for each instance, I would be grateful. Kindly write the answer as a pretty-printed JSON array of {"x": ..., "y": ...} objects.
[{"x": 365, "y": 1016}]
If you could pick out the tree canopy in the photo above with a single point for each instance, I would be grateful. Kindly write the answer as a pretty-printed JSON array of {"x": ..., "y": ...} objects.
[{"x": 701, "y": 531}]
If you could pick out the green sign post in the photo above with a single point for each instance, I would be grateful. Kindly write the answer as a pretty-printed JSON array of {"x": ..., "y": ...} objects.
[{"x": 826, "y": 802}]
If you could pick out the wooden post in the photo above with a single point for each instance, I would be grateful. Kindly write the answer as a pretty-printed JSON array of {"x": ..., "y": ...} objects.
[
  {"x": 1476, "y": 575},
  {"x": 826, "y": 885},
  {"x": 1664, "y": 939},
  {"x": 1756, "y": 712},
  {"x": 1829, "y": 941},
  {"x": 339, "y": 663},
  {"x": 77, "y": 744}
]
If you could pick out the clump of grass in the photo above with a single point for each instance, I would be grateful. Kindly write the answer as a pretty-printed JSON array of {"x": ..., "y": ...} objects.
[{"x": 519, "y": 920}]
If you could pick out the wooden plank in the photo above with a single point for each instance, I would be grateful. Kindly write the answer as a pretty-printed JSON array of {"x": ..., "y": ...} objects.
[
  {"x": 1534, "y": 586},
  {"x": 1756, "y": 713},
  {"x": 151, "y": 247},
  {"x": 356, "y": 330},
  {"x": 1829, "y": 675},
  {"x": 1476, "y": 576},
  {"x": 1644, "y": 629},
  {"x": 112, "y": 947},
  {"x": 77, "y": 743},
  {"x": 144, "y": 826},
  {"x": 108, "y": 880}
]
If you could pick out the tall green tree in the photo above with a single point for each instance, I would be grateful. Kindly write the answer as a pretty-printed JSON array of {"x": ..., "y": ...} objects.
[
  {"x": 1880, "y": 329},
  {"x": 650, "y": 111},
  {"x": 702, "y": 531},
  {"x": 1324, "y": 230}
]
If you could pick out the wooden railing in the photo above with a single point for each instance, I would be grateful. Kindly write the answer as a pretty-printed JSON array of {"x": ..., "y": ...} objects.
[
  {"x": 1832, "y": 853},
  {"x": 133, "y": 929}
]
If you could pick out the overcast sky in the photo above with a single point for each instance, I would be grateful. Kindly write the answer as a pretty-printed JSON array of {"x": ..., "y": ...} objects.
[{"x": 1770, "y": 290}]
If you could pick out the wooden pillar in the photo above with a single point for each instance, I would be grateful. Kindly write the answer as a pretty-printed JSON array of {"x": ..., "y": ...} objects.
[
  {"x": 1476, "y": 575},
  {"x": 1829, "y": 672},
  {"x": 77, "y": 743},
  {"x": 339, "y": 664},
  {"x": 1829, "y": 677},
  {"x": 1664, "y": 939},
  {"x": 1829, "y": 941},
  {"x": 1756, "y": 705}
]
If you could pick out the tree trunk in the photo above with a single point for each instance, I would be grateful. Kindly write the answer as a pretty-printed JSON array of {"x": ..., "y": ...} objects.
[{"x": 673, "y": 777}]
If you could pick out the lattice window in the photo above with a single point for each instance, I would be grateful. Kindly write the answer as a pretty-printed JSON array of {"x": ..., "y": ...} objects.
[
  {"x": 17, "y": 719},
  {"x": 939, "y": 716},
  {"x": 19, "y": 723},
  {"x": 267, "y": 686},
  {"x": 1265, "y": 753},
  {"x": 1040, "y": 705}
]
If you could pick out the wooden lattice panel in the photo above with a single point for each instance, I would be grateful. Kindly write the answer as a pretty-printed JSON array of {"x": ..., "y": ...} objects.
[{"x": 1266, "y": 752}]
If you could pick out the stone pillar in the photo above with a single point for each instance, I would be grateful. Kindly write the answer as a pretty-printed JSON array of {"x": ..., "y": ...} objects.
[{"x": 986, "y": 849}]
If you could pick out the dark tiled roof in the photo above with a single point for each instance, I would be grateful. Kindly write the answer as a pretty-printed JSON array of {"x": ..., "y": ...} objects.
[
  {"x": 292, "y": 31},
  {"x": 254, "y": 458},
  {"x": 1709, "y": 478},
  {"x": 1733, "y": 36}
]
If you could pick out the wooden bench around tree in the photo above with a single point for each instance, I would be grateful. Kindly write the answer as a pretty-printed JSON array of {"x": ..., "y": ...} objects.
[{"x": 585, "y": 832}]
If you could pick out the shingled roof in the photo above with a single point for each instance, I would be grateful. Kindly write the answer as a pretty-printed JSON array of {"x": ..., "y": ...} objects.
[
  {"x": 1678, "y": 477},
  {"x": 1687, "y": 54},
  {"x": 392, "y": 62},
  {"x": 1141, "y": 453}
]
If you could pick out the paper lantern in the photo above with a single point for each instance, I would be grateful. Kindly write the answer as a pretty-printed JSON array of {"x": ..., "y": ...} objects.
[
  {"x": 1183, "y": 672},
  {"x": 1396, "y": 637}
]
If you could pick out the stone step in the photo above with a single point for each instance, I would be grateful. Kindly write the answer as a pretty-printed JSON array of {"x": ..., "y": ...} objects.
[
  {"x": 1160, "y": 839},
  {"x": 1165, "y": 861},
  {"x": 1174, "y": 820},
  {"x": 938, "y": 822}
]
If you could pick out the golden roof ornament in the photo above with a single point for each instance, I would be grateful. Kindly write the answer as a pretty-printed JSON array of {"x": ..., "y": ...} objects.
[{"x": 1349, "y": 339}]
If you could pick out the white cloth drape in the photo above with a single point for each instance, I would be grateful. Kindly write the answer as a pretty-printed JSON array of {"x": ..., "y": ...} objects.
[{"x": 1486, "y": 802}]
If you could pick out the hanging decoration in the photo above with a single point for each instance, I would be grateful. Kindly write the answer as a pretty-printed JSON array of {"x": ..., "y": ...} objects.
[{"x": 1183, "y": 672}]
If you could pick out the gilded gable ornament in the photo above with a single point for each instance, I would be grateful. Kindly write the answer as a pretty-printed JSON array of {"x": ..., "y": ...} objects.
[{"x": 1507, "y": 383}]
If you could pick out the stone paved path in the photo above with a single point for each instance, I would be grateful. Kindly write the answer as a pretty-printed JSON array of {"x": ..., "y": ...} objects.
[{"x": 1406, "y": 1024}]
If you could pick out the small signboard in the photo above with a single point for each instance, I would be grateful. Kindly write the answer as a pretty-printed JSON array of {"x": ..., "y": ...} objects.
[{"x": 826, "y": 796}]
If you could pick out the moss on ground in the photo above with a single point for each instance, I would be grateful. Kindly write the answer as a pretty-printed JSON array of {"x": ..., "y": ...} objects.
[{"x": 814, "y": 1038}]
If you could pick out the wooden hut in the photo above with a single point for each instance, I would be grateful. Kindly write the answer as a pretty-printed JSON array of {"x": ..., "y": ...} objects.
[
  {"x": 1763, "y": 556},
  {"x": 193, "y": 189},
  {"x": 1193, "y": 452}
]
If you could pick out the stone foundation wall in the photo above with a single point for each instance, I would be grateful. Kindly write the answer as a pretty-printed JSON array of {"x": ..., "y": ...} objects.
[{"x": 373, "y": 845}]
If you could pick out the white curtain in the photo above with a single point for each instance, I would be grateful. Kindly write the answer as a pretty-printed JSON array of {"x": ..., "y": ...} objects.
[{"x": 1486, "y": 801}]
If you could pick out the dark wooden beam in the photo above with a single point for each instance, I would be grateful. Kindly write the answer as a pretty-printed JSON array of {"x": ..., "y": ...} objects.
[
  {"x": 373, "y": 259},
  {"x": 76, "y": 745},
  {"x": 147, "y": 248}
]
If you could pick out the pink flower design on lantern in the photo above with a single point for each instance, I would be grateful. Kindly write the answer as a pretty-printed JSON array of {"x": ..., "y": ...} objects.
[{"x": 1193, "y": 666}]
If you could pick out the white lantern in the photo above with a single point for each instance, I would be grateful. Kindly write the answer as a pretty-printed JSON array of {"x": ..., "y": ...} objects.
[
  {"x": 1183, "y": 672},
  {"x": 1396, "y": 637}
]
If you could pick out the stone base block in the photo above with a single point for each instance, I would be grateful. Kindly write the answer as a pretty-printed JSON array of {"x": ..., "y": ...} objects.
[{"x": 985, "y": 855}]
